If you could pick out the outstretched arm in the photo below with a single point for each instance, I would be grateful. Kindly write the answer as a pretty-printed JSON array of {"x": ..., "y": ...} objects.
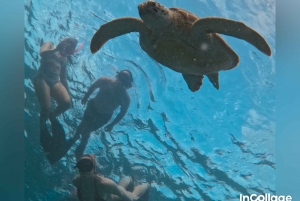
[
  {"x": 92, "y": 88},
  {"x": 47, "y": 48},
  {"x": 124, "y": 107}
]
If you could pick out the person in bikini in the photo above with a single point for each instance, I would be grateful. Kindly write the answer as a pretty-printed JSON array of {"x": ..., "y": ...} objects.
[
  {"x": 51, "y": 82},
  {"x": 94, "y": 187},
  {"x": 112, "y": 94}
]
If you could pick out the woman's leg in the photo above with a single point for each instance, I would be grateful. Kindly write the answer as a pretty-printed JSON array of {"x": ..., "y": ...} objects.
[
  {"x": 42, "y": 90},
  {"x": 62, "y": 97}
]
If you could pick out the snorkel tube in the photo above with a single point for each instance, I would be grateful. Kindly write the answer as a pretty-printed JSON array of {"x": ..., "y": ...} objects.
[{"x": 79, "y": 48}]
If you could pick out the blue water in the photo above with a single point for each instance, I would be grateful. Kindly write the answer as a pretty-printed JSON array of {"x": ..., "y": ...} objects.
[{"x": 207, "y": 145}]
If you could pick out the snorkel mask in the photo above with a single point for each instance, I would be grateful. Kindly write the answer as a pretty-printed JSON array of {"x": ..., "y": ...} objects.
[
  {"x": 71, "y": 44},
  {"x": 86, "y": 163},
  {"x": 125, "y": 76}
]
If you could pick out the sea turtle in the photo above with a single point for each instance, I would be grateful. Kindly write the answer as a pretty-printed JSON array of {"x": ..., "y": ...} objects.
[{"x": 182, "y": 41}]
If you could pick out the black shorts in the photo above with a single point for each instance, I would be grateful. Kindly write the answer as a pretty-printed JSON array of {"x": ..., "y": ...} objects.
[{"x": 94, "y": 119}]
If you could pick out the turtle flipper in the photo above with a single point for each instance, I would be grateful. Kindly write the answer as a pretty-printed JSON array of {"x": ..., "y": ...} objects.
[
  {"x": 194, "y": 82},
  {"x": 214, "y": 79},
  {"x": 231, "y": 28},
  {"x": 113, "y": 29}
]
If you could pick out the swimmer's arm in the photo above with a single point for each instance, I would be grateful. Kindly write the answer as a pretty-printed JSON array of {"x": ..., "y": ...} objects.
[
  {"x": 98, "y": 84},
  {"x": 47, "y": 48},
  {"x": 124, "y": 107}
]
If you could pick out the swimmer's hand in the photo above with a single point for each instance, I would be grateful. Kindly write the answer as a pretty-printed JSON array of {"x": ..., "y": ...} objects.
[{"x": 109, "y": 127}]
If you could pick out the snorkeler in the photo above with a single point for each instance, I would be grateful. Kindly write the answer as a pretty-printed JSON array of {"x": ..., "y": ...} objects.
[
  {"x": 51, "y": 82},
  {"x": 94, "y": 187},
  {"x": 112, "y": 94}
]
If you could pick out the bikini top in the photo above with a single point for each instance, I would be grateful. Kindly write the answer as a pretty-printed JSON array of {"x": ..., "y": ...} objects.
[{"x": 97, "y": 197}]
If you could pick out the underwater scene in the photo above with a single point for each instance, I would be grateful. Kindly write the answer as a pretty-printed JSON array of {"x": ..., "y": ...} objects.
[{"x": 205, "y": 144}]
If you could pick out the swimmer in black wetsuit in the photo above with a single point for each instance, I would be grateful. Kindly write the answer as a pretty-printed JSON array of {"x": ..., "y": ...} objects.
[
  {"x": 112, "y": 94},
  {"x": 94, "y": 187},
  {"x": 51, "y": 82}
]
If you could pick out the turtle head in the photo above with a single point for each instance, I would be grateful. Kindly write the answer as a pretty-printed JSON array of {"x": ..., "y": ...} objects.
[{"x": 154, "y": 14}]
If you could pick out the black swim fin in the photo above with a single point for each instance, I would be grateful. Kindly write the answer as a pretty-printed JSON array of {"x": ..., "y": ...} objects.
[
  {"x": 46, "y": 139},
  {"x": 56, "y": 155},
  {"x": 60, "y": 145},
  {"x": 58, "y": 132}
]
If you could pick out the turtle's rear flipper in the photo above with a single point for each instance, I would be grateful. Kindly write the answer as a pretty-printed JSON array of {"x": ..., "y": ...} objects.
[
  {"x": 214, "y": 79},
  {"x": 113, "y": 29},
  {"x": 231, "y": 28},
  {"x": 194, "y": 82}
]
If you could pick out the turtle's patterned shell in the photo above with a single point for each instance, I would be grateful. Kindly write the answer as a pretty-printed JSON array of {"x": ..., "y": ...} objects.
[{"x": 182, "y": 41}]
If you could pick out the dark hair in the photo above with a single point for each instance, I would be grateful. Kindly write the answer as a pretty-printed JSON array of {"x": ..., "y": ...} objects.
[
  {"x": 71, "y": 44},
  {"x": 86, "y": 164},
  {"x": 123, "y": 77}
]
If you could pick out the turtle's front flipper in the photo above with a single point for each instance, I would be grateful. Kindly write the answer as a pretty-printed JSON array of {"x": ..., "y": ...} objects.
[
  {"x": 113, "y": 29},
  {"x": 194, "y": 82},
  {"x": 214, "y": 79},
  {"x": 231, "y": 28}
]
